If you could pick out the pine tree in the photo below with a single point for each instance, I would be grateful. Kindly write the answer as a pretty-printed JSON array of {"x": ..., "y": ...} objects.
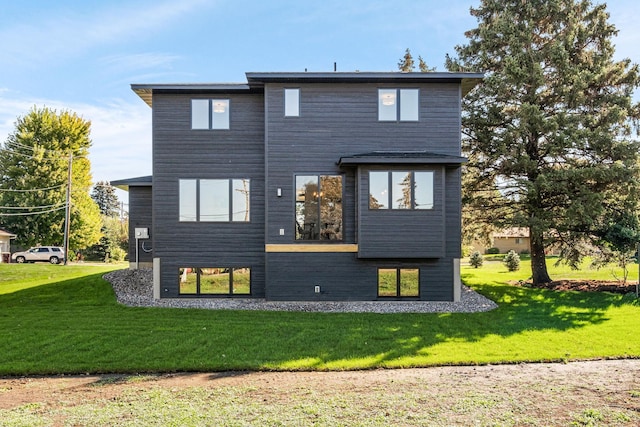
[
  {"x": 407, "y": 64},
  {"x": 34, "y": 165},
  {"x": 551, "y": 125},
  {"x": 104, "y": 194}
]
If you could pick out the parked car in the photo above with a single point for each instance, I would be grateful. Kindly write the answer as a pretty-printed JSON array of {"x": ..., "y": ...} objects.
[{"x": 52, "y": 254}]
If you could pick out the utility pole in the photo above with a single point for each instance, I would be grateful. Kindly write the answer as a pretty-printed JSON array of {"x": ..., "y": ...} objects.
[{"x": 67, "y": 214}]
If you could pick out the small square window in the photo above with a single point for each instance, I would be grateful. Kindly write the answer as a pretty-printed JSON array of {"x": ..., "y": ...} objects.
[
  {"x": 398, "y": 104},
  {"x": 292, "y": 102}
]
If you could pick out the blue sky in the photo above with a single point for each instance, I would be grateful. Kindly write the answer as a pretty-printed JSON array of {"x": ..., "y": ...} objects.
[{"x": 83, "y": 55}]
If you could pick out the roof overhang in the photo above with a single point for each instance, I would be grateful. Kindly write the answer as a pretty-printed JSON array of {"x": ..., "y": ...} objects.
[
  {"x": 257, "y": 80},
  {"x": 125, "y": 184},
  {"x": 146, "y": 91},
  {"x": 401, "y": 158},
  {"x": 467, "y": 80},
  {"x": 5, "y": 233}
]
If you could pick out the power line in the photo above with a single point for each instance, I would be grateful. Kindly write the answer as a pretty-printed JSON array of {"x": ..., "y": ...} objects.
[
  {"x": 31, "y": 207},
  {"x": 33, "y": 213},
  {"x": 32, "y": 190}
]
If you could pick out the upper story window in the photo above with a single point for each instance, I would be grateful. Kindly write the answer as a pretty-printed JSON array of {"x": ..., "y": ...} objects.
[
  {"x": 209, "y": 114},
  {"x": 318, "y": 207},
  {"x": 400, "y": 190},
  {"x": 398, "y": 105},
  {"x": 214, "y": 200},
  {"x": 291, "y": 102}
]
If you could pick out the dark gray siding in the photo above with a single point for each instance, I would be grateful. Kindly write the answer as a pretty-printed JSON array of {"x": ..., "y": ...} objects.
[
  {"x": 343, "y": 277},
  {"x": 338, "y": 120},
  {"x": 182, "y": 153},
  {"x": 140, "y": 216},
  {"x": 402, "y": 233}
]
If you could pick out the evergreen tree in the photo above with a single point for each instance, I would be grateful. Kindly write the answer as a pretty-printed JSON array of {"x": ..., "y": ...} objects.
[
  {"x": 407, "y": 64},
  {"x": 34, "y": 165},
  {"x": 104, "y": 194},
  {"x": 551, "y": 125}
]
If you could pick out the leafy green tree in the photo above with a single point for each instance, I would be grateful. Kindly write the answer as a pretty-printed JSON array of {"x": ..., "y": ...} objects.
[
  {"x": 551, "y": 127},
  {"x": 34, "y": 164},
  {"x": 618, "y": 238},
  {"x": 104, "y": 194}
]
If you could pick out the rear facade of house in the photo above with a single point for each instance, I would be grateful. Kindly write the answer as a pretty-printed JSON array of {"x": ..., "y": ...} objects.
[{"x": 304, "y": 186}]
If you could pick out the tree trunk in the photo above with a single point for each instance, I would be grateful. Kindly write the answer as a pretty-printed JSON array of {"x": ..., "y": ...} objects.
[{"x": 538, "y": 258}]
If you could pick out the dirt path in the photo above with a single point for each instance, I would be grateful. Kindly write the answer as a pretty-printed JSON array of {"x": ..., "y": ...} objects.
[{"x": 578, "y": 393}]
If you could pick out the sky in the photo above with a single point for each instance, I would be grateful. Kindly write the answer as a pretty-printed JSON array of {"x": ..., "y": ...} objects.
[{"x": 82, "y": 56}]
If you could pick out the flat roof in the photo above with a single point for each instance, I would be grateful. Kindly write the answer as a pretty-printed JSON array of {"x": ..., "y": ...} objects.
[
  {"x": 257, "y": 80},
  {"x": 141, "y": 181},
  {"x": 401, "y": 157}
]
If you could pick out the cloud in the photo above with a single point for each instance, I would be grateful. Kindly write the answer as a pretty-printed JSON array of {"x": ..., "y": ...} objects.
[
  {"x": 120, "y": 132},
  {"x": 63, "y": 35}
]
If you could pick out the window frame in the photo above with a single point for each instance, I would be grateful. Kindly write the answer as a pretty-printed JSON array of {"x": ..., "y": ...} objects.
[
  {"x": 212, "y": 123},
  {"x": 403, "y": 111},
  {"x": 399, "y": 281},
  {"x": 196, "y": 206},
  {"x": 294, "y": 111},
  {"x": 391, "y": 190},
  {"x": 300, "y": 228},
  {"x": 198, "y": 271}
]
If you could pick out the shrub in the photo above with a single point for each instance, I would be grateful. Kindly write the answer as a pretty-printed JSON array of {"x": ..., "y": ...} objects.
[
  {"x": 476, "y": 260},
  {"x": 493, "y": 251},
  {"x": 512, "y": 261}
]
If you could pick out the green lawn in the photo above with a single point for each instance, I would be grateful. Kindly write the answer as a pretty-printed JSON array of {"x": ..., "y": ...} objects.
[{"x": 64, "y": 319}]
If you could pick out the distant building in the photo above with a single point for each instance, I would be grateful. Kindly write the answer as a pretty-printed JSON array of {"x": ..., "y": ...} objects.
[{"x": 5, "y": 245}]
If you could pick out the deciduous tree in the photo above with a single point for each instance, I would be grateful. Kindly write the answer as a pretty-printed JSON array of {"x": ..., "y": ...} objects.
[
  {"x": 34, "y": 165},
  {"x": 551, "y": 127}
]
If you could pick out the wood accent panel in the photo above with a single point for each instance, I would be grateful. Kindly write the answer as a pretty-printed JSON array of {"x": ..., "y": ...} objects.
[{"x": 310, "y": 248}]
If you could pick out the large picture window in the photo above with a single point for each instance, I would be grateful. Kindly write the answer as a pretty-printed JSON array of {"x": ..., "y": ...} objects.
[
  {"x": 209, "y": 114},
  {"x": 401, "y": 190},
  {"x": 398, "y": 282},
  {"x": 398, "y": 104},
  {"x": 215, "y": 281},
  {"x": 318, "y": 207},
  {"x": 214, "y": 200}
]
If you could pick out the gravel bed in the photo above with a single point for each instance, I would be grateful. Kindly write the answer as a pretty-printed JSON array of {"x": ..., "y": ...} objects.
[{"x": 135, "y": 288}]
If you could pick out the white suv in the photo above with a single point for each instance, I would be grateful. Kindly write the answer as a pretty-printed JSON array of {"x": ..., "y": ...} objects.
[{"x": 52, "y": 254}]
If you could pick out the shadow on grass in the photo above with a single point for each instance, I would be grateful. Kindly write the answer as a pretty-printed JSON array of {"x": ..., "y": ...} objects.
[{"x": 76, "y": 326}]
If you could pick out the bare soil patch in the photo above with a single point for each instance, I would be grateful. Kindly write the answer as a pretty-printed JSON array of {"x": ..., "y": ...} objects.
[{"x": 605, "y": 392}]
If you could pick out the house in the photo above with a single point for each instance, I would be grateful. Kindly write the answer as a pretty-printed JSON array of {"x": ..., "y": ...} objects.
[
  {"x": 303, "y": 186},
  {"x": 512, "y": 239},
  {"x": 5, "y": 245}
]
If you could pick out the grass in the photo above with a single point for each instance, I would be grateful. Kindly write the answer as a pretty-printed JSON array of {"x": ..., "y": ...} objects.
[{"x": 57, "y": 319}]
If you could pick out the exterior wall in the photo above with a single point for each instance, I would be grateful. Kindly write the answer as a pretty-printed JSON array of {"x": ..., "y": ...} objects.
[
  {"x": 182, "y": 153},
  {"x": 342, "y": 120},
  {"x": 140, "y": 216},
  {"x": 506, "y": 244},
  {"x": 343, "y": 277}
]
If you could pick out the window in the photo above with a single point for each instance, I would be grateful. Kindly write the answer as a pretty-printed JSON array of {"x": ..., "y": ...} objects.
[
  {"x": 292, "y": 102},
  {"x": 214, "y": 200},
  {"x": 319, "y": 207},
  {"x": 209, "y": 114},
  {"x": 409, "y": 190},
  {"x": 398, "y": 282},
  {"x": 398, "y": 103},
  {"x": 215, "y": 281}
]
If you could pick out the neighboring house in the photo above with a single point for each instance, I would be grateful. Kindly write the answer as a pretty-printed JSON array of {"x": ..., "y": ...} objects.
[
  {"x": 512, "y": 239},
  {"x": 304, "y": 186},
  {"x": 5, "y": 245}
]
